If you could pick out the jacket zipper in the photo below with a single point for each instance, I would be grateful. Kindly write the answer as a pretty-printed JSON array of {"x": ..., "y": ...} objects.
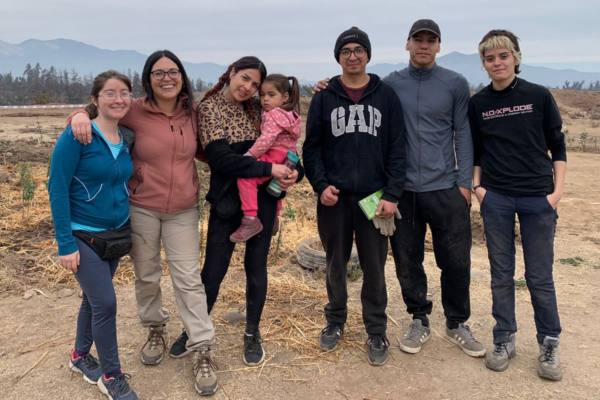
[
  {"x": 419, "y": 132},
  {"x": 171, "y": 178},
  {"x": 355, "y": 150},
  {"x": 113, "y": 188}
]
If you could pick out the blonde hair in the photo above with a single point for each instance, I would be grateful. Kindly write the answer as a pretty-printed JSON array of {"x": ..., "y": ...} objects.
[{"x": 501, "y": 39}]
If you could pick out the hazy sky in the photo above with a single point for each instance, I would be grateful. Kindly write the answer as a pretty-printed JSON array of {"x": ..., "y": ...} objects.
[{"x": 297, "y": 37}]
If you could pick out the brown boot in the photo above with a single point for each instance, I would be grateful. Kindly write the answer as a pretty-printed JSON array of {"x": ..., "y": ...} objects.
[
  {"x": 250, "y": 227},
  {"x": 276, "y": 226}
]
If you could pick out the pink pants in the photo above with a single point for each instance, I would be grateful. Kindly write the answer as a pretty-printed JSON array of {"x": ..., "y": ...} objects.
[{"x": 249, "y": 187}]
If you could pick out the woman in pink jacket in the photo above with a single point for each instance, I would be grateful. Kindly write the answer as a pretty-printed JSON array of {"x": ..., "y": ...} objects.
[{"x": 164, "y": 208}]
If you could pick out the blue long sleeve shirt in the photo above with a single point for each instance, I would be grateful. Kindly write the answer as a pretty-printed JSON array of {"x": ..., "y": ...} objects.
[{"x": 87, "y": 186}]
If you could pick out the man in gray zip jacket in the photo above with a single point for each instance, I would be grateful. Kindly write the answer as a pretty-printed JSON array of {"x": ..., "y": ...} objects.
[{"x": 437, "y": 191}]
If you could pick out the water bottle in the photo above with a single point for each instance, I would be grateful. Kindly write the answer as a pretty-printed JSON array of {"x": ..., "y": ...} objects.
[{"x": 290, "y": 162}]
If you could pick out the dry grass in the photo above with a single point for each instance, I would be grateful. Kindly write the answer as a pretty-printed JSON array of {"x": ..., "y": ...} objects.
[{"x": 293, "y": 316}]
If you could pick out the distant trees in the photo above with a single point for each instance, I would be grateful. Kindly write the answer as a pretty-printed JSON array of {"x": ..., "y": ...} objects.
[
  {"x": 476, "y": 88},
  {"x": 578, "y": 85},
  {"x": 42, "y": 86}
]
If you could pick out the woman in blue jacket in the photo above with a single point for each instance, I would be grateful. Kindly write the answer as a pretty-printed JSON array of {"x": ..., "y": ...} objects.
[{"x": 90, "y": 210}]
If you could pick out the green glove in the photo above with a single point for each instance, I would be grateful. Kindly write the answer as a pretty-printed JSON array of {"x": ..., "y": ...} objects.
[{"x": 387, "y": 226}]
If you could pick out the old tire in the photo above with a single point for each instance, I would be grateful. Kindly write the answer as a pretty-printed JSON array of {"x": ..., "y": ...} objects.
[{"x": 311, "y": 256}]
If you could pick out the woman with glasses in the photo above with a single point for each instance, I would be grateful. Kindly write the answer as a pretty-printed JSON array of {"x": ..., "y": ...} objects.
[
  {"x": 89, "y": 196},
  {"x": 164, "y": 208}
]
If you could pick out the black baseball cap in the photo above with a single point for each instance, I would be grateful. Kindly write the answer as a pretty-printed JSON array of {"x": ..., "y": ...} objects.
[{"x": 425, "y": 25}]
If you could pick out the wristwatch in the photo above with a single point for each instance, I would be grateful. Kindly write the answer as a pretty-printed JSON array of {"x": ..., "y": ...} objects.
[{"x": 475, "y": 188}]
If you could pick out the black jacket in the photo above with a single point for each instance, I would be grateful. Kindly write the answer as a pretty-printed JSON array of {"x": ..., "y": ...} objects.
[{"x": 357, "y": 148}]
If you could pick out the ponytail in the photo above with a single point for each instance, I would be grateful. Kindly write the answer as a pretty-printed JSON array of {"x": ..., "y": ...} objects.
[
  {"x": 282, "y": 84},
  {"x": 92, "y": 110}
]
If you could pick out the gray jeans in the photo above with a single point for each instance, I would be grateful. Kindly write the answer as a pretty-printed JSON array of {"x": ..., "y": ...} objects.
[{"x": 178, "y": 232}]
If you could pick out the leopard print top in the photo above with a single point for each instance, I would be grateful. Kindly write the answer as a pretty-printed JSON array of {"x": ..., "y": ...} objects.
[{"x": 218, "y": 118}]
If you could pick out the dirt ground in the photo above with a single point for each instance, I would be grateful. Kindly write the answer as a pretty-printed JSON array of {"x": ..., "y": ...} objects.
[{"x": 36, "y": 335}]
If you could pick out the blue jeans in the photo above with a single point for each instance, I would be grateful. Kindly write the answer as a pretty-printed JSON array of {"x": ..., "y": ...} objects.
[
  {"x": 96, "y": 322},
  {"x": 538, "y": 225}
]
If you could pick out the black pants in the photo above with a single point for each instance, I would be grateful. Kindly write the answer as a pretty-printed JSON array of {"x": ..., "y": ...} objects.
[
  {"x": 337, "y": 225},
  {"x": 219, "y": 250},
  {"x": 448, "y": 216}
]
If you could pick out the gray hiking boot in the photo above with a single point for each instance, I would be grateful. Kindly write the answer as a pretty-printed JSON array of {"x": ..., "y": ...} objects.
[
  {"x": 463, "y": 337},
  {"x": 497, "y": 359},
  {"x": 549, "y": 359},
  {"x": 156, "y": 345},
  {"x": 417, "y": 335},
  {"x": 204, "y": 370}
]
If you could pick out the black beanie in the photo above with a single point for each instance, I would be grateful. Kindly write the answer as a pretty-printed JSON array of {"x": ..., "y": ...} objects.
[{"x": 352, "y": 35}]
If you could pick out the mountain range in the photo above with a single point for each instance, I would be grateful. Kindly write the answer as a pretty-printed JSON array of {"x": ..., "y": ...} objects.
[{"x": 86, "y": 59}]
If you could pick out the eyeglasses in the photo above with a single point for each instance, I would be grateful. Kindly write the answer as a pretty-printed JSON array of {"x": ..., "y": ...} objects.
[
  {"x": 159, "y": 74},
  {"x": 113, "y": 95},
  {"x": 359, "y": 52}
]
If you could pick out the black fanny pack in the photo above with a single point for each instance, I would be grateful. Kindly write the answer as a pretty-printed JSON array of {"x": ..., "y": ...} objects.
[{"x": 110, "y": 244}]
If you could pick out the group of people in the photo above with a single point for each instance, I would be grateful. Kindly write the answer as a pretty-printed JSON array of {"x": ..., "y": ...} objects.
[
  {"x": 420, "y": 136},
  {"x": 123, "y": 180}
]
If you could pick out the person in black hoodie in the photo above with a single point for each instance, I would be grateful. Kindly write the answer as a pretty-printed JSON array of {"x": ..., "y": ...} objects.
[{"x": 355, "y": 146}]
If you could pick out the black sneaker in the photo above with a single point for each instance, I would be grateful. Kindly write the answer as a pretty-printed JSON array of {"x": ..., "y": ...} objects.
[
  {"x": 377, "y": 345},
  {"x": 330, "y": 336},
  {"x": 253, "y": 351},
  {"x": 178, "y": 348}
]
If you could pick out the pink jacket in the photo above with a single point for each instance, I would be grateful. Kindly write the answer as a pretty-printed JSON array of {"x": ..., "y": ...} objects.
[
  {"x": 280, "y": 129},
  {"x": 164, "y": 177}
]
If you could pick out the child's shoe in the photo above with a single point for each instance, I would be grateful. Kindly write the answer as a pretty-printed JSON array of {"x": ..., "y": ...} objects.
[
  {"x": 117, "y": 387},
  {"x": 87, "y": 365},
  {"x": 251, "y": 226}
]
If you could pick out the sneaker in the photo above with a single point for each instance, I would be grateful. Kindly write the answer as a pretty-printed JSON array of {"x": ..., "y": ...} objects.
[
  {"x": 276, "y": 226},
  {"x": 86, "y": 365},
  {"x": 250, "y": 227},
  {"x": 377, "y": 346},
  {"x": 156, "y": 345},
  {"x": 330, "y": 336},
  {"x": 178, "y": 348},
  {"x": 204, "y": 370},
  {"x": 549, "y": 359},
  {"x": 497, "y": 359},
  {"x": 463, "y": 337},
  {"x": 417, "y": 335},
  {"x": 117, "y": 387},
  {"x": 253, "y": 351}
]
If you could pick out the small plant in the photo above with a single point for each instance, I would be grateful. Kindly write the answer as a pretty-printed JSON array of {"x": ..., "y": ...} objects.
[
  {"x": 596, "y": 266},
  {"x": 278, "y": 244},
  {"x": 521, "y": 284},
  {"x": 354, "y": 270},
  {"x": 49, "y": 162},
  {"x": 583, "y": 138},
  {"x": 39, "y": 129},
  {"x": 574, "y": 261},
  {"x": 27, "y": 186},
  {"x": 289, "y": 212}
]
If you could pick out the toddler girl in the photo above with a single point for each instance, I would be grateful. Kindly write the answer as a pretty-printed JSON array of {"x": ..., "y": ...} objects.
[{"x": 281, "y": 128}]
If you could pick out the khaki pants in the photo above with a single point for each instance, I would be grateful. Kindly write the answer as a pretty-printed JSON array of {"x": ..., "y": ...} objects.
[{"x": 179, "y": 234}]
